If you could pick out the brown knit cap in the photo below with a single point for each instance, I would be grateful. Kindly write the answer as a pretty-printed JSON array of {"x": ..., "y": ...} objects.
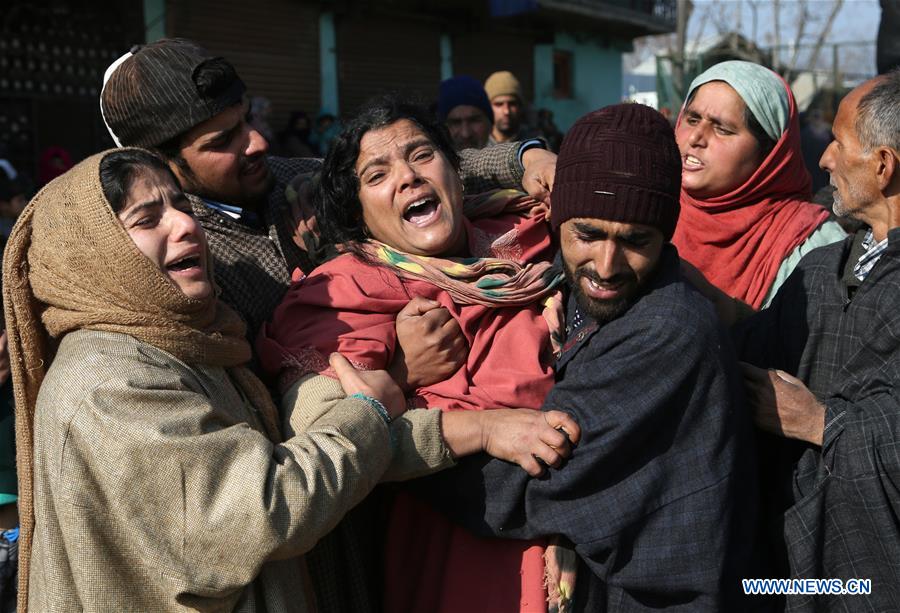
[
  {"x": 156, "y": 94},
  {"x": 502, "y": 83},
  {"x": 621, "y": 164}
]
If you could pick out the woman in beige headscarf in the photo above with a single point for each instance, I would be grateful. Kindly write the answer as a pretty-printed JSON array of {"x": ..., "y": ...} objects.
[{"x": 152, "y": 473}]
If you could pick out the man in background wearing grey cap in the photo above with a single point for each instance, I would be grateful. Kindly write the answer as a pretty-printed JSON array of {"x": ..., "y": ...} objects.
[{"x": 176, "y": 98}]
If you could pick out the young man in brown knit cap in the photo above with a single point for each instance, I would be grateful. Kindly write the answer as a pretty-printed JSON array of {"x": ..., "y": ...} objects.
[
  {"x": 189, "y": 106},
  {"x": 505, "y": 93},
  {"x": 659, "y": 497}
]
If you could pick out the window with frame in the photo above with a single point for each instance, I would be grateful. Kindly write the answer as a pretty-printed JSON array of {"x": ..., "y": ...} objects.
[{"x": 563, "y": 86}]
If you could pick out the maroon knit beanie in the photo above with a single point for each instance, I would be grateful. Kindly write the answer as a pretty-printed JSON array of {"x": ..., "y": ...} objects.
[{"x": 621, "y": 164}]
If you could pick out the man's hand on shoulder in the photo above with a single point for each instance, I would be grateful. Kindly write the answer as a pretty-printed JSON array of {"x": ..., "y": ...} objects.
[
  {"x": 540, "y": 168},
  {"x": 300, "y": 215},
  {"x": 783, "y": 405}
]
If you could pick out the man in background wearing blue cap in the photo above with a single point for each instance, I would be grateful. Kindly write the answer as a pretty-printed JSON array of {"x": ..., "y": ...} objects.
[{"x": 464, "y": 107}]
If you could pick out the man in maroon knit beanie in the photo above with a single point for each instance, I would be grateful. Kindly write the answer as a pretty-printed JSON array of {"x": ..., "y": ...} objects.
[{"x": 659, "y": 497}]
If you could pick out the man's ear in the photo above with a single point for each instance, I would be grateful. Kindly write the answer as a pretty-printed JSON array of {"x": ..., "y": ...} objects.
[
  {"x": 173, "y": 166},
  {"x": 888, "y": 170},
  {"x": 182, "y": 171}
]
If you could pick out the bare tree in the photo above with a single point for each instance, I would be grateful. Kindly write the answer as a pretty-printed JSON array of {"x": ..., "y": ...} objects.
[
  {"x": 802, "y": 19},
  {"x": 684, "y": 15},
  {"x": 823, "y": 34},
  {"x": 700, "y": 30},
  {"x": 776, "y": 34},
  {"x": 754, "y": 8},
  {"x": 723, "y": 17}
]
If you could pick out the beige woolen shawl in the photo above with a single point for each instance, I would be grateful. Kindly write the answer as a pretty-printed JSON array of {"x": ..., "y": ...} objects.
[{"x": 69, "y": 264}]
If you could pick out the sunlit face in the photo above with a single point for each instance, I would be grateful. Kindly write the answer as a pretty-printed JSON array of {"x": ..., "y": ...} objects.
[
  {"x": 507, "y": 114},
  {"x": 718, "y": 151},
  {"x": 410, "y": 193},
  {"x": 608, "y": 262},
  {"x": 469, "y": 127},
  {"x": 227, "y": 159},
  {"x": 849, "y": 166},
  {"x": 157, "y": 216}
]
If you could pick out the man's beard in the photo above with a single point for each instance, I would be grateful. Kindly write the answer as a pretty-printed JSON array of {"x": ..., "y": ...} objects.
[
  {"x": 602, "y": 311},
  {"x": 840, "y": 206},
  {"x": 192, "y": 184},
  {"x": 511, "y": 128}
]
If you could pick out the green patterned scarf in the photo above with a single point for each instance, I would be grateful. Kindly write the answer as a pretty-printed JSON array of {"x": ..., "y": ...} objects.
[{"x": 487, "y": 281}]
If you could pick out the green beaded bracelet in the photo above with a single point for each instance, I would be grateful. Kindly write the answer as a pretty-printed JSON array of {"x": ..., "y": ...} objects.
[{"x": 375, "y": 404}]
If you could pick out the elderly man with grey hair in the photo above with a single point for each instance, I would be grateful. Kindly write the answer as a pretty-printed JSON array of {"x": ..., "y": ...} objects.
[{"x": 825, "y": 383}]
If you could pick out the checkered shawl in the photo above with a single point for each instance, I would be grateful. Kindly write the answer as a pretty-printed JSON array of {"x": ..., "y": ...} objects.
[
  {"x": 842, "y": 338},
  {"x": 253, "y": 265}
]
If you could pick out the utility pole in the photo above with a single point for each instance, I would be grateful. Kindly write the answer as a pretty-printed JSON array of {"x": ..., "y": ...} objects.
[
  {"x": 776, "y": 35},
  {"x": 684, "y": 14}
]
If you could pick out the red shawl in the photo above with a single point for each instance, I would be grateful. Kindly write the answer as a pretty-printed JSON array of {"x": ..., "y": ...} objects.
[{"x": 739, "y": 239}]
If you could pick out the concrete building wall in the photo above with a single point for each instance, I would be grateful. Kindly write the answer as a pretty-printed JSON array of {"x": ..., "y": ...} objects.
[
  {"x": 273, "y": 44},
  {"x": 377, "y": 55},
  {"x": 303, "y": 57}
]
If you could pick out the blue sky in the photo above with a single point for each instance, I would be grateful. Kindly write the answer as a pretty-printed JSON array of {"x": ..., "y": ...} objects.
[{"x": 857, "y": 21}]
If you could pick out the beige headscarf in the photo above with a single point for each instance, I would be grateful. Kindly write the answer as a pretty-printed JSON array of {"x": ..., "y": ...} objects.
[{"x": 69, "y": 264}]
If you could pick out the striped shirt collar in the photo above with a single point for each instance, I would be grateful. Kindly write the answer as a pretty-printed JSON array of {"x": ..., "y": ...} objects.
[
  {"x": 237, "y": 213},
  {"x": 871, "y": 256}
]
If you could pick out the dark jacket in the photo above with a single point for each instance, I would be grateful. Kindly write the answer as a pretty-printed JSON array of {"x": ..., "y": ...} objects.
[
  {"x": 659, "y": 496},
  {"x": 837, "y": 506}
]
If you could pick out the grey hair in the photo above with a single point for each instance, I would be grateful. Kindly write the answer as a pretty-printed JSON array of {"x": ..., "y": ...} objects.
[{"x": 878, "y": 114}]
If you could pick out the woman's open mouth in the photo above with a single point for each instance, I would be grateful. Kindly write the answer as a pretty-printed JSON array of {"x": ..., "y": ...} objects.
[
  {"x": 423, "y": 211},
  {"x": 692, "y": 163},
  {"x": 187, "y": 264}
]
